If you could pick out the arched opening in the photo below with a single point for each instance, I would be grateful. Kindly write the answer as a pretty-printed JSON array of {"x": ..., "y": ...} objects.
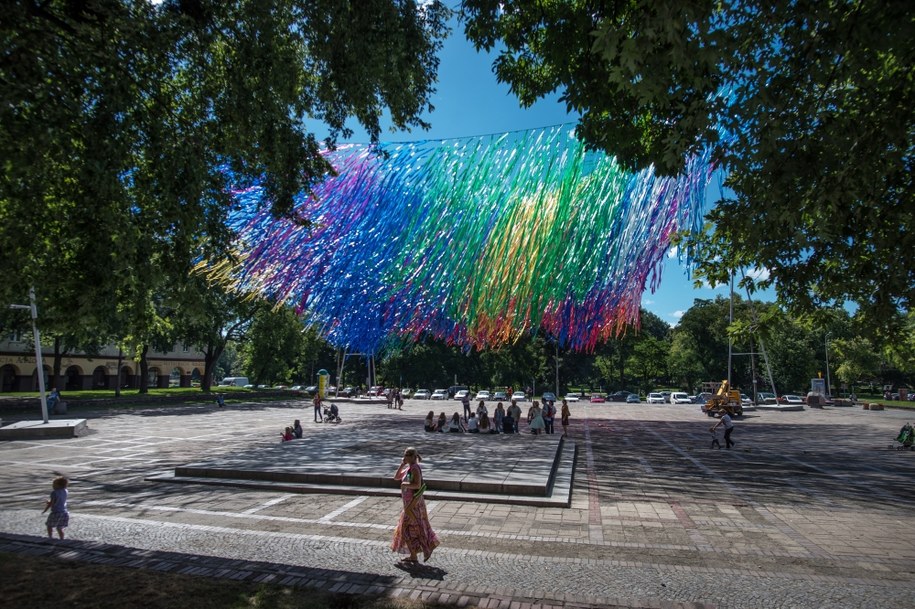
[
  {"x": 73, "y": 378},
  {"x": 174, "y": 378},
  {"x": 126, "y": 378},
  {"x": 9, "y": 379},
  {"x": 100, "y": 378},
  {"x": 152, "y": 377},
  {"x": 196, "y": 377},
  {"x": 47, "y": 373}
]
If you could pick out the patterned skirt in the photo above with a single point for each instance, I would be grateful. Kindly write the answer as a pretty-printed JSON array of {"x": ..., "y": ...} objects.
[
  {"x": 58, "y": 520},
  {"x": 413, "y": 533}
]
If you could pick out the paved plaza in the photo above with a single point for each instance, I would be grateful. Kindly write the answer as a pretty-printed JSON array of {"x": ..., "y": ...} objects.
[{"x": 810, "y": 509}]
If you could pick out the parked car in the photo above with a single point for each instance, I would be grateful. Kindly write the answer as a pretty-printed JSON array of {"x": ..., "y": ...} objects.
[
  {"x": 311, "y": 389},
  {"x": 549, "y": 396},
  {"x": 633, "y": 399},
  {"x": 422, "y": 394},
  {"x": 296, "y": 388},
  {"x": 500, "y": 396},
  {"x": 597, "y": 398},
  {"x": 765, "y": 398},
  {"x": 519, "y": 396},
  {"x": 482, "y": 395},
  {"x": 679, "y": 397},
  {"x": 791, "y": 399},
  {"x": 460, "y": 395},
  {"x": 702, "y": 398},
  {"x": 453, "y": 390},
  {"x": 572, "y": 397},
  {"x": 439, "y": 394},
  {"x": 745, "y": 400},
  {"x": 618, "y": 396},
  {"x": 347, "y": 392},
  {"x": 655, "y": 398},
  {"x": 666, "y": 395}
]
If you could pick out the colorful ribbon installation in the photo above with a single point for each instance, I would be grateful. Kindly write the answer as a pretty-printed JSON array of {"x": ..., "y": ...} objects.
[{"x": 476, "y": 241}]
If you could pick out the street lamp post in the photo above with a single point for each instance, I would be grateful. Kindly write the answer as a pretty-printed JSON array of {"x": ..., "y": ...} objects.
[
  {"x": 38, "y": 362},
  {"x": 826, "y": 348}
]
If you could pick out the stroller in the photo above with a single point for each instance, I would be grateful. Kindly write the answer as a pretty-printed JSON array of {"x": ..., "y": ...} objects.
[
  {"x": 906, "y": 437},
  {"x": 332, "y": 414}
]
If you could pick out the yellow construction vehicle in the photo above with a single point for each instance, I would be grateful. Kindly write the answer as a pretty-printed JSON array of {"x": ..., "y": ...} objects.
[{"x": 725, "y": 400}]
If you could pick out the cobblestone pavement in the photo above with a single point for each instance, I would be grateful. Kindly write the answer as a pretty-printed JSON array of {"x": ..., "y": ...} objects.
[{"x": 810, "y": 509}]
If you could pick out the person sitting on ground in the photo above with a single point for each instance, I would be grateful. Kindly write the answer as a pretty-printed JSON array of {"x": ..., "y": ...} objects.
[
  {"x": 508, "y": 423},
  {"x": 473, "y": 424},
  {"x": 430, "y": 422},
  {"x": 297, "y": 429},
  {"x": 481, "y": 409},
  {"x": 486, "y": 424},
  {"x": 442, "y": 423},
  {"x": 498, "y": 416},
  {"x": 286, "y": 436},
  {"x": 455, "y": 425}
]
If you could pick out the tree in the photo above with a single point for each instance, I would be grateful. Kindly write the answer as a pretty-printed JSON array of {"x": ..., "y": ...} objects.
[
  {"x": 124, "y": 123},
  {"x": 857, "y": 361},
  {"x": 806, "y": 105},
  {"x": 648, "y": 361},
  {"x": 273, "y": 346},
  {"x": 683, "y": 362}
]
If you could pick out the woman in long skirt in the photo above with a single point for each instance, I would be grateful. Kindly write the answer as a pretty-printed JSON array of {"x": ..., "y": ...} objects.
[{"x": 413, "y": 533}]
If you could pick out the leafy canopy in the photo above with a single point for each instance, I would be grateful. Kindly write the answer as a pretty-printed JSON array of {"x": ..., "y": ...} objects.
[{"x": 807, "y": 106}]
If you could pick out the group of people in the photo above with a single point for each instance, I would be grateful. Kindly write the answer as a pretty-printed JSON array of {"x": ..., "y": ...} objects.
[
  {"x": 395, "y": 398},
  {"x": 293, "y": 432},
  {"x": 504, "y": 421}
]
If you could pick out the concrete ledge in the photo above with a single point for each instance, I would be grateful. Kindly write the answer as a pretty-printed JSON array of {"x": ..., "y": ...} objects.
[{"x": 56, "y": 428}]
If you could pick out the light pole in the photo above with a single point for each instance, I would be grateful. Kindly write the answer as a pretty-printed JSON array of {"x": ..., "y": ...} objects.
[
  {"x": 826, "y": 348},
  {"x": 38, "y": 362}
]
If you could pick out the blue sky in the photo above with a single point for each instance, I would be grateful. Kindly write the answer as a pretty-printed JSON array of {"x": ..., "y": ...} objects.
[{"x": 470, "y": 101}]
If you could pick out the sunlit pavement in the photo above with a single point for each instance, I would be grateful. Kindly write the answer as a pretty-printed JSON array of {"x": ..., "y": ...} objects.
[{"x": 810, "y": 509}]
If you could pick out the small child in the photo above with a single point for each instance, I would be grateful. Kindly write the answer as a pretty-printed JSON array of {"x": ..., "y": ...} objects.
[
  {"x": 287, "y": 434},
  {"x": 59, "y": 517},
  {"x": 714, "y": 431}
]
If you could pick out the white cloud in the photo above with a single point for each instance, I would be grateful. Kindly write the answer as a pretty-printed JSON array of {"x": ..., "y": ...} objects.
[
  {"x": 758, "y": 274},
  {"x": 647, "y": 301},
  {"x": 677, "y": 314}
]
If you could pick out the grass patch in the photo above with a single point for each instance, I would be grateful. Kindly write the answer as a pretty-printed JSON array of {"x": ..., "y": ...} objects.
[{"x": 50, "y": 583}]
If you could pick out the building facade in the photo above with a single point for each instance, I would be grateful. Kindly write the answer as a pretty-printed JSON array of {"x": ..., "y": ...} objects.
[{"x": 181, "y": 367}]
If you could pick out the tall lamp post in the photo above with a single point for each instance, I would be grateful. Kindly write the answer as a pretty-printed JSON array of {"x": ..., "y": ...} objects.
[
  {"x": 826, "y": 348},
  {"x": 38, "y": 362}
]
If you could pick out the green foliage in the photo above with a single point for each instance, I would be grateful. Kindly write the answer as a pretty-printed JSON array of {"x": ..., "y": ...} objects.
[
  {"x": 274, "y": 343},
  {"x": 118, "y": 119},
  {"x": 816, "y": 99}
]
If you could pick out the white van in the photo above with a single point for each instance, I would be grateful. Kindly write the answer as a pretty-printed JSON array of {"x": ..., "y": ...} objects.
[
  {"x": 234, "y": 381},
  {"x": 678, "y": 397}
]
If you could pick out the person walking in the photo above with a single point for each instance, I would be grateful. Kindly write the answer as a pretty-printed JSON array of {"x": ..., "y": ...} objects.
[
  {"x": 59, "y": 518},
  {"x": 413, "y": 533},
  {"x": 317, "y": 403},
  {"x": 564, "y": 415},
  {"x": 726, "y": 422}
]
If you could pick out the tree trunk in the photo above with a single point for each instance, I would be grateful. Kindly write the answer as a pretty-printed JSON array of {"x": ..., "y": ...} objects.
[
  {"x": 58, "y": 362},
  {"x": 211, "y": 356},
  {"x": 144, "y": 371}
]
